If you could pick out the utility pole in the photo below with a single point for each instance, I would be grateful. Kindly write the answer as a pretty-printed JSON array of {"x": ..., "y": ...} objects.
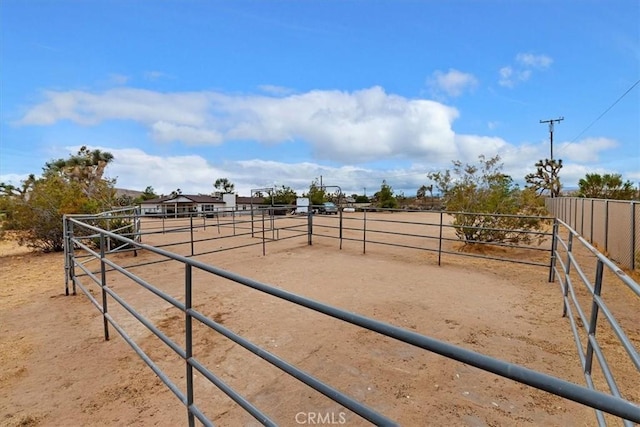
[{"x": 551, "y": 122}]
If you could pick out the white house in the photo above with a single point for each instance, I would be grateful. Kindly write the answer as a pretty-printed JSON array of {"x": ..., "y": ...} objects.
[{"x": 182, "y": 204}]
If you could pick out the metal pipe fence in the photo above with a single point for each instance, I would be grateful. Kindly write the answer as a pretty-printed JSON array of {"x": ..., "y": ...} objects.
[
  {"x": 427, "y": 231},
  {"x": 81, "y": 248},
  {"x": 437, "y": 233},
  {"x": 612, "y": 225},
  {"x": 585, "y": 302}
]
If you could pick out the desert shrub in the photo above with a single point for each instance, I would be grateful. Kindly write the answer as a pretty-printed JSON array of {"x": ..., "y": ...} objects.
[
  {"x": 40, "y": 215},
  {"x": 487, "y": 206},
  {"x": 117, "y": 224},
  {"x": 72, "y": 186}
]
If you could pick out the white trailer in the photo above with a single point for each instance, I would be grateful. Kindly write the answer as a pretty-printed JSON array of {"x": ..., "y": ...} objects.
[{"x": 302, "y": 206}]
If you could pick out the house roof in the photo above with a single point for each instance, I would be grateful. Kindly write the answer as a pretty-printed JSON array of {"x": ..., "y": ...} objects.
[
  {"x": 199, "y": 198},
  {"x": 247, "y": 200}
]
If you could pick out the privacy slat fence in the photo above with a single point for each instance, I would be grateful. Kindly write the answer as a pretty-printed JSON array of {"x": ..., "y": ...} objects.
[
  {"x": 612, "y": 225},
  {"x": 88, "y": 264}
]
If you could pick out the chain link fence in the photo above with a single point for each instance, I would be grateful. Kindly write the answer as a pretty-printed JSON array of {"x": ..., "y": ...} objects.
[{"x": 613, "y": 226}]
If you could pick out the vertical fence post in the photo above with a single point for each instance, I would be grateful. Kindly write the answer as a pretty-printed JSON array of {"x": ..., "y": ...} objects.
[
  {"x": 108, "y": 221},
  {"x": 272, "y": 222},
  {"x": 188, "y": 340},
  {"x": 340, "y": 228},
  {"x": 65, "y": 233},
  {"x": 233, "y": 218},
  {"x": 569, "y": 217},
  {"x": 364, "y": 231},
  {"x": 582, "y": 219},
  {"x": 606, "y": 226},
  {"x": 633, "y": 235},
  {"x": 310, "y": 227},
  {"x": 440, "y": 237},
  {"x": 252, "y": 215},
  {"x": 72, "y": 259},
  {"x": 569, "y": 249},
  {"x": 597, "y": 289},
  {"x": 138, "y": 230},
  {"x": 565, "y": 284},
  {"x": 591, "y": 231},
  {"x": 554, "y": 246},
  {"x": 103, "y": 284},
  {"x": 264, "y": 249},
  {"x": 191, "y": 232}
]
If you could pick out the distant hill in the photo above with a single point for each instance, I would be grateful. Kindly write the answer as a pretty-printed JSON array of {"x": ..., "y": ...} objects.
[{"x": 131, "y": 193}]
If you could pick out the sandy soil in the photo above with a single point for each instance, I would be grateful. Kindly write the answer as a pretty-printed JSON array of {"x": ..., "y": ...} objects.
[{"x": 56, "y": 368}]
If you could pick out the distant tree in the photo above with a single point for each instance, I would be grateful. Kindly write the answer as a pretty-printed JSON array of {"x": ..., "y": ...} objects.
[
  {"x": 125, "y": 200},
  {"x": 10, "y": 197},
  {"x": 224, "y": 185},
  {"x": 607, "y": 186},
  {"x": 317, "y": 195},
  {"x": 86, "y": 168},
  {"x": 402, "y": 199},
  {"x": 546, "y": 178},
  {"x": 175, "y": 193},
  {"x": 11, "y": 191},
  {"x": 483, "y": 188},
  {"x": 148, "y": 194},
  {"x": 362, "y": 199},
  {"x": 282, "y": 196},
  {"x": 385, "y": 198},
  {"x": 422, "y": 191}
]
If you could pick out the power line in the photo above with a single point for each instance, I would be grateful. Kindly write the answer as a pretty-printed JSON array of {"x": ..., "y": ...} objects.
[{"x": 606, "y": 111}]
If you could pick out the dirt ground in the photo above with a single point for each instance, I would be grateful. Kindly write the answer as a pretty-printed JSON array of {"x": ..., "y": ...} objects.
[{"x": 56, "y": 369}]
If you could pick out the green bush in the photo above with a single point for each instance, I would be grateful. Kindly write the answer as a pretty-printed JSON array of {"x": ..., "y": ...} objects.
[{"x": 468, "y": 191}]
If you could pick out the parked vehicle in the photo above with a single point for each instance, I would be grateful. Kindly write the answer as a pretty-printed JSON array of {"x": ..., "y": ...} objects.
[{"x": 328, "y": 208}]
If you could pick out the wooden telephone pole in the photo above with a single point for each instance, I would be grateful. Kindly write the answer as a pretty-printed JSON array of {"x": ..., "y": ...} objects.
[{"x": 551, "y": 122}]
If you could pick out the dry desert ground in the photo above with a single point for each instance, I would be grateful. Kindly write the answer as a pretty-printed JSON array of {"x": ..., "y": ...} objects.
[{"x": 57, "y": 370}]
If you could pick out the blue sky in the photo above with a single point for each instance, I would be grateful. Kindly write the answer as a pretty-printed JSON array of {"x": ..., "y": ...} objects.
[{"x": 282, "y": 92}]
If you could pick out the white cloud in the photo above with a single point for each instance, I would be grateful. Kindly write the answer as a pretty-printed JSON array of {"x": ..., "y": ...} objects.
[
  {"x": 348, "y": 128},
  {"x": 134, "y": 169},
  {"x": 353, "y": 127},
  {"x": 168, "y": 132},
  {"x": 510, "y": 75},
  {"x": 452, "y": 83},
  {"x": 193, "y": 174},
  {"x": 505, "y": 77},
  {"x": 529, "y": 60},
  {"x": 585, "y": 151},
  {"x": 144, "y": 106},
  {"x": 472, "y": 146}
]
